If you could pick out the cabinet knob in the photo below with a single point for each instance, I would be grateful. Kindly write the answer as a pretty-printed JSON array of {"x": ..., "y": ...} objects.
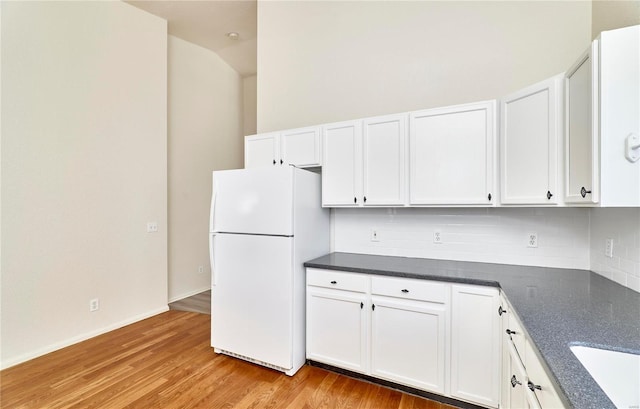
[
  {"x": 405, "y": 291},
  {"x": 274, "y": 161},
  {"x": 583, "y": 191},
  {"x": 281, "y": 161},
  {"x": 334, "y": 282},
  {"x": 549, "y": 195},
  {"x": 355, "y": 199},
  {"x": 509, "y": 332},
  {"x": 361, "y": 305},
  {"x": 489, "y": 196},
  {"x": 365, "y": 199},
  {"x": 501, "y": 310},
  {"x": 373, "y": 307},
  {"x": 533, "y": 386},
  {"x": 515, "y": 381}
]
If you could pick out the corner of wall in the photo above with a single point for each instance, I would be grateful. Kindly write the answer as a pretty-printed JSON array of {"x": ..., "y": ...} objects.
[{"x": 609, "y": 15}]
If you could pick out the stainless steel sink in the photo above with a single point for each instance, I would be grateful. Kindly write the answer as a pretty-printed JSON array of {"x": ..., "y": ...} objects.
[{"x": 617, "y": 373}]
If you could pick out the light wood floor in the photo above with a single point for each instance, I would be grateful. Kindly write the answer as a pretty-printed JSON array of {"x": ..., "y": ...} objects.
[
  {"x": 166, "y": 362},
  {"x": 196, "y": 303}
]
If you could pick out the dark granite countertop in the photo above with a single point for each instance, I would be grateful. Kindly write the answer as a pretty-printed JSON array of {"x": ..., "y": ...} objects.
[{"x": 558, "y": 308}]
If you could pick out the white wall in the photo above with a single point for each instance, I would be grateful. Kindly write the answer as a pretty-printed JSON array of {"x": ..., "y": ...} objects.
[
  {"x": 324, "y": 61},
  {"x": 250, "y": 85},
  {"x": 485, "y": 235},
  {"x": 83, "y": 170},
  {"x": 612, "y": 14},
  {"x": 205, "y": 134}
]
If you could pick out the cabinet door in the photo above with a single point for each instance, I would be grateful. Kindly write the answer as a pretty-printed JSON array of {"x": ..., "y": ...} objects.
[
  {"x": 301, "y": 147},
  {"x": 384, "y": 153},
  {"x": 581, "y": 143},
  {"x": 261, "y": 150},
  {"x": 342, "y": 165},
  {"x": 408, "y": 343},
  {"x": 529, "y": 137},
  {"x": 452, "y": 155},
  {"x": 336, "y": 328},
  {"x": 619, "y": 125},
  {"x": 475, "y": 345}
]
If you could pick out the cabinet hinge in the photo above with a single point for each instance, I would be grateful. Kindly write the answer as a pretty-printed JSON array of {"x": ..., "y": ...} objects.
[
  {"x": 373, "y": 307},
  {"x": 361, "y": 305}
]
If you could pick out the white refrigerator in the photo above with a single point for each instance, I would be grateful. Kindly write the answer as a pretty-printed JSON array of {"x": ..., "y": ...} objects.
[{"x": 264, "y": 224}]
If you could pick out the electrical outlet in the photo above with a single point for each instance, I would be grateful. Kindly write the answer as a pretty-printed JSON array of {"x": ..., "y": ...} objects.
[
  {"x": 152, "y": 227},
  {"x": 94, "y": 305},
  {"x": 532, "y": 239},
  {"x": 375, "y": 235},
  {"x": 608, "y": 249},
  {"x": 200, "y": 269},
  {"x": 437, "y": 237}
]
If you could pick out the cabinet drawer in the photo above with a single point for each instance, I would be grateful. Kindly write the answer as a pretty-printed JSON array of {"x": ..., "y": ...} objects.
[
  {"x": 411, "y": 289},
  {"x": 543, "y": 387},
  {"x": 338, "y": 280},
  {"x": 517, "y": 335}
]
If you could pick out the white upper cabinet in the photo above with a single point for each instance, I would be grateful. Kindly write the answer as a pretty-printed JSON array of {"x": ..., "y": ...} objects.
[
  {"x": 453, "y": 155},
  {"x": 364, "y": 162},
  {"x": 603, "y": 125},
  {"x": 620, "y": 117},
  {"x": 530, "y": 140},
  {"x": 384, "y": 163},
  {"x": 581, "y": 145},
  {"x": 298, "y": 147},
  {"x": 261, "y": 150},
  {"x": 342, "y": 164},
  {"x": 301, "y": 147}
]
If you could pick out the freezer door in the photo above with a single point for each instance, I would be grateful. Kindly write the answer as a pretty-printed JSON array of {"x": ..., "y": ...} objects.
[
  {"x": 251, "y": 301},
  {"x": 253, "y": 201}
]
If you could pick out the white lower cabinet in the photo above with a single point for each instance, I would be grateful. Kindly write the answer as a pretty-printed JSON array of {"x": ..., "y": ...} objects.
[
  {"x": 336, "y": 319},
  {"x": 514, "y": 380},
  {"x": 403, "y": 330},
  {"x": 525, "y": 384},
  {"x": 475, "y": 344},
  {"x": 408, "y": 332},
  {"x": 538, "y": 381}
]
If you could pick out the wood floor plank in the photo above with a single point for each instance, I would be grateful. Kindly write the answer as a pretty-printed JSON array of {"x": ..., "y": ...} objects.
[{"x": 166, "y": 362}]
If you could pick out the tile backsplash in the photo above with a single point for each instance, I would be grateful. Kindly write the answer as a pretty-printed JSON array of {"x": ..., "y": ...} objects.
[
  {"x": 495, "y": 235},
  {"x": 623, "y": 226},
  {"x": 567, "y": 237}
]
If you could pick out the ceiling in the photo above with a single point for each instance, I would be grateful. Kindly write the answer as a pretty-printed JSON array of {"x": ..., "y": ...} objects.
[{"x": 207, "y": 22}]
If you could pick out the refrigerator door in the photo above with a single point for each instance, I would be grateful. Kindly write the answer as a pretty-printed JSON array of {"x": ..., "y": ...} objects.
[
  {"x": 253, "y": 201},
  {"x": 251, "y": 299}
]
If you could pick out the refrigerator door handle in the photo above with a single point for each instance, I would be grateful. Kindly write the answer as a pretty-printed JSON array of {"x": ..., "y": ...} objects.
[
  {"x": 212, "y": 213},
  {"x": 212, "y": 259}
]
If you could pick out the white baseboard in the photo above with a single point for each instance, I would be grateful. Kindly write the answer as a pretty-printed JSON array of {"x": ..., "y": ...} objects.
[
  {"x": 82, "y": 337},
  {"x": 188, "y": 294}
]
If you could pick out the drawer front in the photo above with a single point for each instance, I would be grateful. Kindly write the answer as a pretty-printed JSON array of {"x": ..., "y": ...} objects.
[
  {"x": 517, "y": 335},
  {"x": 338, "y": 280},
  {"x": 411, "y": 289}
]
